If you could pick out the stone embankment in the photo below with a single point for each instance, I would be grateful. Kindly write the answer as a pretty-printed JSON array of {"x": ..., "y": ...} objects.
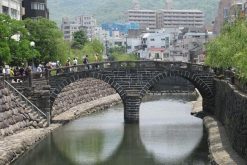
[
  {"x": 79, "y": 92},
  {"x": 21, "y": 128},
  {"x": 15, "y": 115},
  {"x": 11, "y": 147},
  {"x": 220, "y": 149},
  {"x": 231, "y": 111}
]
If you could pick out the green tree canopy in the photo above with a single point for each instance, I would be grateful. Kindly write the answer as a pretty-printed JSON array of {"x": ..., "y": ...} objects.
[
  {"x": 118, "y": 53},
  {"x": 92, "y": 48},
  {"x": 79, "y": 39},
  {"x": 229, "y": 49},
  {"x": 48, "y": 39},
  {"x": 14, "y": 43}
]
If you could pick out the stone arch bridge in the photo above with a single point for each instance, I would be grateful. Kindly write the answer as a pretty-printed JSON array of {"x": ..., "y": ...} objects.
[{"x": 133, "y": 79}]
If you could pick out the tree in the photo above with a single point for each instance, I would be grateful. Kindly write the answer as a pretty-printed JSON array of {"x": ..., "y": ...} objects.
[
  {"x": 229, "y": 49},
  {"x": 79, "y": 39},
  {"x": 14, "y": 43},
  {"x": 118, "y": 54},
  {"x": 48, "y": 39},
  {"x": 92, "y": 48}
]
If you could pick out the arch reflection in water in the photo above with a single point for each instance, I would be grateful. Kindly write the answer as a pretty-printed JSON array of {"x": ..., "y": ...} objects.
[{"x": 167, "y": 134}]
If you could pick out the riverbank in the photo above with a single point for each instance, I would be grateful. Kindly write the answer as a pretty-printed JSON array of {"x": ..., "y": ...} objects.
[
  {"x": 220, "y": 149},
  {"x": 12, "y": 147}
]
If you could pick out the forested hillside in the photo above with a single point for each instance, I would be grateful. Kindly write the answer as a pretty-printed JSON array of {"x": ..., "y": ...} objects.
[{"x": 113, "y": 10}]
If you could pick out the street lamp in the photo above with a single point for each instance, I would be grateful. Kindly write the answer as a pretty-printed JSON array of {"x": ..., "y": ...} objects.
[
  {"x": 32, "y": 44},
  {"x": 126, "y": 43}
]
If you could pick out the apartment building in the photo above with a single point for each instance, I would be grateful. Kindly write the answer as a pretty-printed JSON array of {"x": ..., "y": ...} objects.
[
  {"x": 145, "y": 18},
  {"x": 153, "y": 19},
  {"x": 84, "y": 22},
  {"x": 35, "y": 8},
  {"x": 180, "y": 18},
  {"x": 13, "y": 8}
]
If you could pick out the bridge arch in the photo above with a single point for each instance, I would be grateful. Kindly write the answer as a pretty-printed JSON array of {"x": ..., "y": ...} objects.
[
  {"x": 203, "y": 83},
  {"x": 60, "y": 82},
  {"x": 133, "y": 79}
]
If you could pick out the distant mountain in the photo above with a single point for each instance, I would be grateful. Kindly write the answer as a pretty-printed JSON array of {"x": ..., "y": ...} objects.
[{"x": 113, "y": 10}]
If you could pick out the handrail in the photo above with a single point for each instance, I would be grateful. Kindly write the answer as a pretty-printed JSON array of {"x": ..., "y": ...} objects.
[
  {"x": 34, "y": 107},
  {"x": 128, "y": 64}
]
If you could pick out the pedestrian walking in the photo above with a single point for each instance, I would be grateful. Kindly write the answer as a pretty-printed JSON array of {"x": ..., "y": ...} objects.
[{"x": 85, "y": 62}]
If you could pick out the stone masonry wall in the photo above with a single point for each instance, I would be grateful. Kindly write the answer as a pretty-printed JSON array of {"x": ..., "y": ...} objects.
[
  {"x": 231, "y": 111},
  {"x": 15, "y": 115},
  {"x": 79, "y": 92}
]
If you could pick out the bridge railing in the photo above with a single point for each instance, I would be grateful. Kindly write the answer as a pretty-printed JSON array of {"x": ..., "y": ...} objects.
[
  {"x": 232, "y": 78},
  {"x": 115, "y": 65},
  {"x": 23, "y": 81}
]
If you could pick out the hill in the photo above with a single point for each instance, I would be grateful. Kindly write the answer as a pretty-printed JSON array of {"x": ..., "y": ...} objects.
[{"x": 113, "y": 10}]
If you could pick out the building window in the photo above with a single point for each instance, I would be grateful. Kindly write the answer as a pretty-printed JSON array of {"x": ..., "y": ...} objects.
[
  {"x": 152, "y": 39},
  {"x": 5, "y": 10},
  {"x": 13, "y": 13},
  {"x": 165, "y": 55},
  {"x": 157, "y": 55},
  {"x": 37, "y": 6}
]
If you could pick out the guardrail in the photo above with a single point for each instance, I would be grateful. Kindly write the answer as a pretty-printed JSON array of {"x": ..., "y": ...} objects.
[
  {"x": 128, "y": 64},
  {"x": 28, "y": 102}
]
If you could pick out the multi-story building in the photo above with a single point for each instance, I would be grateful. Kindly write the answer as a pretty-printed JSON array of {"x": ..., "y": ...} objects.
[
  {"x": 180, "y": 18},
  {"x": 145, "y": 18},
  {"x": 35, "y": 8},
  {"x": 86, "y": 23},
  {"x": 153, "y": 19},
  {"x": 13, "y": 8},
  {"x": 222, "y": 15}
]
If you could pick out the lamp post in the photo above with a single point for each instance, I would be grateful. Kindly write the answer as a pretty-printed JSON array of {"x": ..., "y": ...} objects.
[
  {"x": 106, "y": 47},
  {"x": 126, "y": 43},
  {"x": 32, "y": 44}
]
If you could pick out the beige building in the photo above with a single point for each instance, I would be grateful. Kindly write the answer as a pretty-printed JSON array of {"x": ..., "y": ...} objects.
[
  {"x": 146, "y": 18},
  {"x": 153, "y": 19},
  {"x": 84, "y": 22},
  {"x": 180, "y": 18},
  {"x": 13, "y": 8}
]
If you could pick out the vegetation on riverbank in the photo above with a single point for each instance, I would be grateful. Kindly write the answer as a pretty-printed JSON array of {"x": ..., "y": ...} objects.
[{"x": 229, "y": 50}]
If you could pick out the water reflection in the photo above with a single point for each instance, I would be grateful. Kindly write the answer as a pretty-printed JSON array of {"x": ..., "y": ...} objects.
[{"x": 167, "y": 134}]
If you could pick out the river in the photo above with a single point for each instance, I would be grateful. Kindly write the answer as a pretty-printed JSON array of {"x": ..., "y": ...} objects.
[{"x": 167, "y": 134}]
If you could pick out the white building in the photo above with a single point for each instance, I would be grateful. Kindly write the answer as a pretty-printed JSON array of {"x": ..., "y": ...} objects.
[
  {"x": 13, "y": 8},
  {"x": 155, "y": 45},
  {"x": 86, "y": 23}
]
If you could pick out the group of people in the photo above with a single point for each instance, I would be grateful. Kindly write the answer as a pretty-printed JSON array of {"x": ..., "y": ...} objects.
[
  {"x": 15, "y": 71},
  {"x": 26, "y": 71},
  {"x": 85, "y": 61}
]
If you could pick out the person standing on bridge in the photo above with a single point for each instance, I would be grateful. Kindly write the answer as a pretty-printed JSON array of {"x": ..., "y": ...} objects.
[
  {"x": 85, "y": 61},
  {"x": 75, "y": 62},
  {"x": 96, "y": 57}
]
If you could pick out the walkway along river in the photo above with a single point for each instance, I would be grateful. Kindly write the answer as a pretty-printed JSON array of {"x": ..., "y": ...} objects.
[{"x": 167, "y": 134}]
